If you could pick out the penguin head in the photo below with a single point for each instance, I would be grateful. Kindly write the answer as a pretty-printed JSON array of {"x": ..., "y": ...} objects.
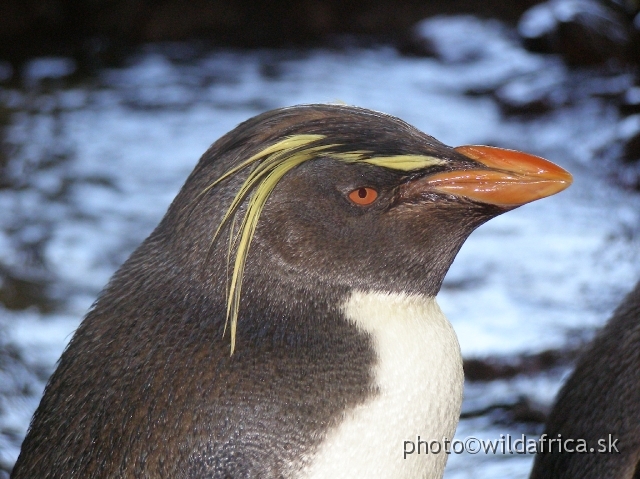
[{"x": 342, "y": 198}]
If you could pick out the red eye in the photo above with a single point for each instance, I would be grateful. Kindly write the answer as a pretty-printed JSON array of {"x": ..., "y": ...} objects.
[{"x": 363, "y": 196}]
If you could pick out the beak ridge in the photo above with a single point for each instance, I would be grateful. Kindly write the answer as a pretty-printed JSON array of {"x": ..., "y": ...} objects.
[{"x": 512, "y": 178}]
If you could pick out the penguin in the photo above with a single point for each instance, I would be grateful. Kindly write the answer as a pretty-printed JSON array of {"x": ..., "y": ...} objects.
[
  {"x": 600, "y": 405},
  {"x": 280, "y": 321}
]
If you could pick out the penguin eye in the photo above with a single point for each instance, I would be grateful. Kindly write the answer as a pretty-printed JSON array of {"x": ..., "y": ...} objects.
[{"x": 363, "y": 196}]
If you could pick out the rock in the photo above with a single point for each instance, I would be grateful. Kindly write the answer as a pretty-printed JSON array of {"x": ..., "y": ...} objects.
[
  {"x": 632, "y": 149},
  {"x": 6, "y": 71},
  {"x": 531, "y": 95},
  {"x": 630, "y": 103},
  {"x": 47, "y": 68},
  {"x": 555, "y": 87},
  {"x": 584, "y": 32},
  {"x": 629, "y": 128},
  {"x": 628, "y": 171},
  {"x": 635, "y": 38},
  {"x": 537, "y": 26},
  {"x": 497, "y": 367},
  {"x": 453, "y": 39},
  {"x": 18, "y": 293}
]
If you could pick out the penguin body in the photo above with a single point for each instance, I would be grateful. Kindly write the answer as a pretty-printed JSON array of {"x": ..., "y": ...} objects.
[
  {"x": 600, "y": 401},
  {"x": 283, "y": 307}
]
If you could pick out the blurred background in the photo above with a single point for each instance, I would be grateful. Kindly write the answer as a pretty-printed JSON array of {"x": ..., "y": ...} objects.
[{"x": 106, "y": 106}]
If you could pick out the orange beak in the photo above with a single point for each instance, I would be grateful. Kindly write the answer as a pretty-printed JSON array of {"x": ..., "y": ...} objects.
[{"x": 513, "y": 178}]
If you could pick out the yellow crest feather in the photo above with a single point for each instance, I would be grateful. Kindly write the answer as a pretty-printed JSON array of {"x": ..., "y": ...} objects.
[{"x": 270, "y": 166}]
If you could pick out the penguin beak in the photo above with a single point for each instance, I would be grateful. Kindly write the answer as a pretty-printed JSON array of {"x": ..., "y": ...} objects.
[{"x": 512, "y": 178}]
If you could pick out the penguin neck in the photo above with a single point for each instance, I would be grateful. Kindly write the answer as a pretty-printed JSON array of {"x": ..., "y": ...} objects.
[{"x": 418, "y": 382}]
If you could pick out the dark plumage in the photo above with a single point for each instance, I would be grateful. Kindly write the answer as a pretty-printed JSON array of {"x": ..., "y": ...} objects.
[
  {"x": 600, "y": 401},
  {"x": 147, "y": 386}
]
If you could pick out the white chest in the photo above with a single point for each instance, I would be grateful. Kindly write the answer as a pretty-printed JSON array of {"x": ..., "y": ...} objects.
[{"x": 419, "y": 377}]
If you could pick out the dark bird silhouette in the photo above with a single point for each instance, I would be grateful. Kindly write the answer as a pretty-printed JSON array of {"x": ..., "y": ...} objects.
[
  {"x": 599, "y": 404},
  {"x": 280, "y": 321}
]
